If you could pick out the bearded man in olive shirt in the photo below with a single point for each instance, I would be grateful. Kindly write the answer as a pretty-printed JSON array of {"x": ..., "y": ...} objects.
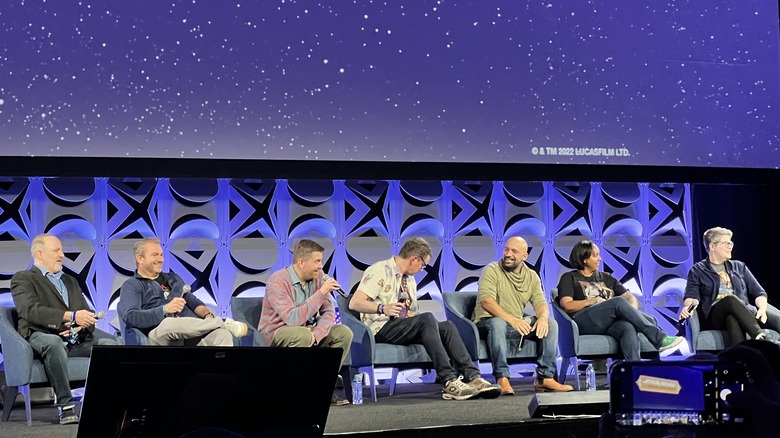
[{"x": 506, "y": 286}]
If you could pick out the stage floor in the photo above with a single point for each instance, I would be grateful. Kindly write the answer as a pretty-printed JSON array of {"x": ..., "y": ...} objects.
[
  {"x": 417, "y": 409},
  {"x": 420, "y": 405}
]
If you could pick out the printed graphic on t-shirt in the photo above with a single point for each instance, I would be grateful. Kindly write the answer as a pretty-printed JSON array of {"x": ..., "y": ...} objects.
[{"x": 596, "y": 289}]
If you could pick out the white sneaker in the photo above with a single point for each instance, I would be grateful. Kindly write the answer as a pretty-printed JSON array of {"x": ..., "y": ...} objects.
[
  {"x": 456, "y": 389},
  {"x": 237, "y": 328}
]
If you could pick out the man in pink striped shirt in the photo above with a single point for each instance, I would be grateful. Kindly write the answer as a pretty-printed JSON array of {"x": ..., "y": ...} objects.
[{"x": 297, "y": 308}]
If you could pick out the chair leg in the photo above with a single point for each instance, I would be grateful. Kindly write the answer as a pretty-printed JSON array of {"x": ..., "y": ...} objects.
[
  {"x": 371, "y": 381},
  {"x": 393, "y": 378},
  {"x": 8, "y": 401},
  {"x": 575, "y": 363},
  {"x": 564, "y": 369},
  {"x": 347, "y": 374},
  {"x": 25, "y": 391}
]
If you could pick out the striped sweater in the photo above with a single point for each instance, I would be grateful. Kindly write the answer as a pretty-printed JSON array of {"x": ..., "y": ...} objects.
[{"x": 279, "y": 309}]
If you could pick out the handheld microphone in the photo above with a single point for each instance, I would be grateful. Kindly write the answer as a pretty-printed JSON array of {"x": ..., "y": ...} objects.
[
  {"x": 690, "y": 309},
  {"x": 325, "y": 278},
  {"x": 184, "y": 291},
  {"x": 403, "y": 298},
  {"x": 100, "y": 315}
]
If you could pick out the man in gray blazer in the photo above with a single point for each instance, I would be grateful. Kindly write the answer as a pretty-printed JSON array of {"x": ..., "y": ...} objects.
[{"x": 55, "y": 318}]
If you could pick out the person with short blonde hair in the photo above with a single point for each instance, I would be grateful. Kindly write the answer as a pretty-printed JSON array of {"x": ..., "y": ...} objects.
[{"x": 726, "y": 294}]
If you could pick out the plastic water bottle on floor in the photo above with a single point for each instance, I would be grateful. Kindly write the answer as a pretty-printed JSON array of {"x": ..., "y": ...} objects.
[
  {"x": 357, "y": 389},
  {"x": 590, "y": 377}
]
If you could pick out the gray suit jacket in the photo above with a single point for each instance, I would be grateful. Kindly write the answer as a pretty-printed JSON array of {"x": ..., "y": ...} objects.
[{"x": 40, "y": 306}]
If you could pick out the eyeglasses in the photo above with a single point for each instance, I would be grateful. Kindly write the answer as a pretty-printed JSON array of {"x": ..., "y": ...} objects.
[
  {"x": 726, "y": 243},
  {"x": 422, "y": 262}
]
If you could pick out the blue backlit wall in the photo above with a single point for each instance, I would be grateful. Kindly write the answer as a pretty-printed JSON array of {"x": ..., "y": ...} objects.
[{"x": 226, "y": 236}]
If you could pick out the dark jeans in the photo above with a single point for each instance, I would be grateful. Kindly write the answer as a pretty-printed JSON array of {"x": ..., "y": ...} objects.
[
  {"x": 732, "y": 315},
  {"x": 618, "y": 318},
  {"x": 55, "y": 356},
  {"x": 500, "y": 337},
  {"x": 440, "y": 339}
]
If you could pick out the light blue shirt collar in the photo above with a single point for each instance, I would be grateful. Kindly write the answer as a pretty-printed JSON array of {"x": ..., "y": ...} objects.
[{"x": 46, "y": 272}]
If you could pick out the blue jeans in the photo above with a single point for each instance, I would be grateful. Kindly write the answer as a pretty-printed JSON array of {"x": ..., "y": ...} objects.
[
  {"x": 55, "y": 356},
  {"x": 441, "y": 340},
  {"x": 618, "y": 318},
  {"x": 500, "y": 337}
]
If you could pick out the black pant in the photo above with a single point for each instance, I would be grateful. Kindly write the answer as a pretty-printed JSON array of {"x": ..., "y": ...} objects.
[
  {"x": 732, "y": 315},
  {"x": 440, "y": 339}
]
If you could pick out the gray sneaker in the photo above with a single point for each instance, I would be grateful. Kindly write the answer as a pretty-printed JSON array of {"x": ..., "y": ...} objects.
[
  {"x": 237, "y": 328},
  {"x": 456, "y": 389},
  {"x": 67, "y": 415},
  {"x": 485, "y": 389}
]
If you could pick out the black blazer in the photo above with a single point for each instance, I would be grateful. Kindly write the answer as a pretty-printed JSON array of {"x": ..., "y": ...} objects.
[{"x": 40, "y": 306}]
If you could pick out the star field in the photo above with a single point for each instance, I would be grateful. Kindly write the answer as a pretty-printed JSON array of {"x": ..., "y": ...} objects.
[{"x": 644, "y": 82}]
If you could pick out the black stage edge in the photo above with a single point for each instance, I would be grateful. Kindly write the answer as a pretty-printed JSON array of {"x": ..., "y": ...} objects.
[
  {"x": 549, "y": 428},
  {"x": 569, "y": 403}
]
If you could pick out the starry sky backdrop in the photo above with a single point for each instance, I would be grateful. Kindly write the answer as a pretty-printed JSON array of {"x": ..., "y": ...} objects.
[{"x": 645, "y": 82}]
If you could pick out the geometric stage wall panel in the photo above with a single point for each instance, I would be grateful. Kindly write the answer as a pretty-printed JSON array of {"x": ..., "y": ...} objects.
[{"x": 226, "y": 236}]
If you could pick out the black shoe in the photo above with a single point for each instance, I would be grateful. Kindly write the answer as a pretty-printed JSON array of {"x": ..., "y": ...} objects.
[{"x": 67, "y": 416}]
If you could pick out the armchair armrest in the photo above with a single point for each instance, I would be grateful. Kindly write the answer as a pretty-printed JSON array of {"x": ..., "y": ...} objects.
[
  {"x": 454, "y": 305},
  {"x": 17, "y": 352},
  {"x": 248, "y": 310},
  {"x": 363, "y": 343},
  {"x": 568, "y": 330},
  {"x": 692, "y": 328}
]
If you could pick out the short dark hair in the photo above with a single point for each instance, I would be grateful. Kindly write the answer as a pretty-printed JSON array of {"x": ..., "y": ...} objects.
[
  {"x": 582, "y": 251},
  {"x": 416, "y": 246}
]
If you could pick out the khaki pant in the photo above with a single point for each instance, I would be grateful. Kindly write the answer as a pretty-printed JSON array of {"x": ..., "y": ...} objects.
[
  {"x": 340, "y": 336},
  {"x": 189, "y": 331}
]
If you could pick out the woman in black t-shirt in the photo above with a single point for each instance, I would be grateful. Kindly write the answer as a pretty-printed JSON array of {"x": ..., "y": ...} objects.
[{"x": 601, "y": 305}]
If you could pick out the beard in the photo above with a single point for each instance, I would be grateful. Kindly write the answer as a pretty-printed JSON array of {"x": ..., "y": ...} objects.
[{"x": 509, "y": 265}]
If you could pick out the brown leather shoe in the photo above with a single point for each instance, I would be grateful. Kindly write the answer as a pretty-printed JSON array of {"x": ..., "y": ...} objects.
[
  {"x": 549, "y": 384},
  {"x": 506, "y": 388},
  {"x": 338, "y": 401}
]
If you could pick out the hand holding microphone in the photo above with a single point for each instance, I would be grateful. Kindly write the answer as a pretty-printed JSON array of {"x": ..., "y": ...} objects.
[
  {"x": 331, "y": 285},
  {"x": 86, "y": 318},
  {"x": 687, "y": 312}
]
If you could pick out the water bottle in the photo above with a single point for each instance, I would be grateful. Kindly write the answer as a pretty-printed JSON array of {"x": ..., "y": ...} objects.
[
  {"x": 357, "y": 389},
  {"x": 590, "y": 377}
]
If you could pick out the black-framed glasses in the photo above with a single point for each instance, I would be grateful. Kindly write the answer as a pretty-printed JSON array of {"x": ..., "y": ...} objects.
[{"x": 422, "y": 262}]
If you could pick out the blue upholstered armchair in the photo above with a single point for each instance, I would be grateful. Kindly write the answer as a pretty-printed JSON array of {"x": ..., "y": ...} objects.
[
  {"x": 714, "y": 340},
  {"x": 247, "y": 310},
  {"x": 132, "y": 335},
  {"x": 23, "y": 369},
  {"x": 573, "y": 346},
  {"x": 459, "y": 307},
  {"x": 366, "y": 353}
]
